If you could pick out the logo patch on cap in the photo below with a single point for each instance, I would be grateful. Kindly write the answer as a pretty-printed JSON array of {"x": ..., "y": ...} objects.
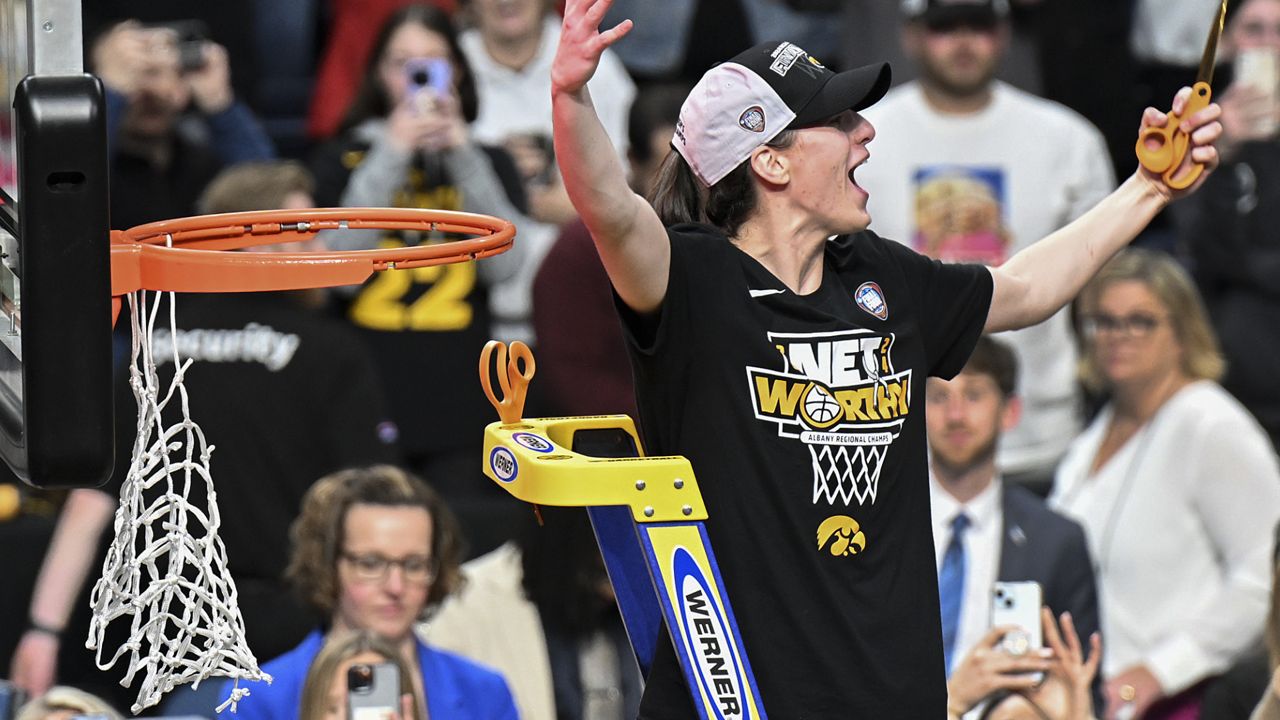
[
  {"x": 784, "y": 56},
  {"x": 870, "y": 298},
  {"x": 752, "y": 119}
]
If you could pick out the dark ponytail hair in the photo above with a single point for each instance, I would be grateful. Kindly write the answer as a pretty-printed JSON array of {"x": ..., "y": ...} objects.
[
  {"x": 676, "y": 195},
  {"x": 679, "y": 197}
]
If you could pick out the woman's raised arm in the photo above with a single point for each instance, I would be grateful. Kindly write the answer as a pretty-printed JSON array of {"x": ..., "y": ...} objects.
[
  {"x": 628, "y": 234},
  {"x": 1036, "y": 282}
]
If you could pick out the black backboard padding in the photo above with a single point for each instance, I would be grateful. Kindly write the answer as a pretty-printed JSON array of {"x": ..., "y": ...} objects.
[{"x": 61, "y": 434}]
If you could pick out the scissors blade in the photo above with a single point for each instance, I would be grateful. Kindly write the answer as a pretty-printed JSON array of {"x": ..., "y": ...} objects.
[{"x": 1211, "y": 46}]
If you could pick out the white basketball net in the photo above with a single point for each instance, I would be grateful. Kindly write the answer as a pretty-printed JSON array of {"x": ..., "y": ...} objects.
[
  {"x": 166, "y": 570},
  {"x": 844, "y": 472}
]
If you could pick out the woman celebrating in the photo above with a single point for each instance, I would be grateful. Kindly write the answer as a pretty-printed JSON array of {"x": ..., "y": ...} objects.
[
  {"x": 373, "y": 548},
  {"x": 1176, "y": 486},
  {"x": 789, "y": 368}
]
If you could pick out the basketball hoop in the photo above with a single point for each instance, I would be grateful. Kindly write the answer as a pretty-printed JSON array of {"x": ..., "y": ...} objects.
[
  {"x": 188, "y": 254},
  {"x": 846, "y": 466},
  {"x": 166, "y": 569}
]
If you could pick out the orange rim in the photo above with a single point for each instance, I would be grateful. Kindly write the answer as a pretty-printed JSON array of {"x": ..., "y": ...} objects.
[{"x": 191, "y": 254}]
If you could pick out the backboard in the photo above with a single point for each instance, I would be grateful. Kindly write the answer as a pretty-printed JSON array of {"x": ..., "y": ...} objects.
[{"x": 55, "y": 305}]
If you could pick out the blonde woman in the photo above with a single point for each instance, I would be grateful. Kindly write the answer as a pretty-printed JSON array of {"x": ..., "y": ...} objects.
[
  {"x": 1176, "y": 486},
  {"x": 63, "y": 703},
  {"x": 324, "y": 694}
]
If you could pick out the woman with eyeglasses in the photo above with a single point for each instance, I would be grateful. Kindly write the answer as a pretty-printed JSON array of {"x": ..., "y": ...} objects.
[
  {"x": 374, "y": 549},
  {"x": 1177, "y": 488}
]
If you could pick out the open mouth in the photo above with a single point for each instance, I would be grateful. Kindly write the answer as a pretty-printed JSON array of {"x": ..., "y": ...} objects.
[{"x": 854, "y": 181}]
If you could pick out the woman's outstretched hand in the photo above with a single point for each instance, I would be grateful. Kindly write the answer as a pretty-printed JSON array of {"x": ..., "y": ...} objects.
[
  {"x": 1204, "y": 130},
  {"x": 582, "y": 43}
]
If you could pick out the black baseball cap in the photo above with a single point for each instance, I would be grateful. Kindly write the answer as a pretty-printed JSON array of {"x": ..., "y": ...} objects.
[
  {"x": 745, "y": 102},
  {"x": 943, "y": 13}
]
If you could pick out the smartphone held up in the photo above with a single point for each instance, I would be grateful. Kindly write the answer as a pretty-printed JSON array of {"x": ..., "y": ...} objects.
[
  {"x": 190, "y": 38},
  {"x": 429, "y": 80},
  {"x": 1259, "y": 68},
  {"x": 373, "y": 691},
  {"x": 1018, "y": 604}
]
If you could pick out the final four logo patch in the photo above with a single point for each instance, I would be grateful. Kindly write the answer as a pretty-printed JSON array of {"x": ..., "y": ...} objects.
[
  {"x": 752, "y": 119},
  {"x": 870, "y": 298}
]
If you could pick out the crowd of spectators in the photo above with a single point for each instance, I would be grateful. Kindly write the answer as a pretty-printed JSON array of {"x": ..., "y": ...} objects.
[{"x": 1135, "y": 478}]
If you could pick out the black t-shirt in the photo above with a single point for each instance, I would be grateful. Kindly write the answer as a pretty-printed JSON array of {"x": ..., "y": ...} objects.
[{"x": 803, "y": 418}]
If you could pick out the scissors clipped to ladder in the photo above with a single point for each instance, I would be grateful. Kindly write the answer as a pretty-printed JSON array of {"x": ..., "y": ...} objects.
[{"x": 647, "y": 513}]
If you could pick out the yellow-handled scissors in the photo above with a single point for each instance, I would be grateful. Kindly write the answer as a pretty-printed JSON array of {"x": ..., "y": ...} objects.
[
  {"x": 1162, "y": 149},
  {"x": 513, "y": 379}
]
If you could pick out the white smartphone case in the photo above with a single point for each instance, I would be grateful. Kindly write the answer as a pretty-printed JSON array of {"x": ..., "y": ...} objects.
[
  {"x": 1260, "y": 67},
  {"x": 1018, "y": 603}
]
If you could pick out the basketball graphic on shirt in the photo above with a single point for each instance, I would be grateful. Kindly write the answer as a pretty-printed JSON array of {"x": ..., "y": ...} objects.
[
  {"x": 840, "y": 535},
  {"x": 840, "y": 395},
  {"x": 820, "y": 408}
]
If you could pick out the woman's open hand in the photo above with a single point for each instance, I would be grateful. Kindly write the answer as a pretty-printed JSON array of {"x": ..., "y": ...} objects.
[
  {"x": 1071, "y": 664},
  {"x": 582, "y": 43}
]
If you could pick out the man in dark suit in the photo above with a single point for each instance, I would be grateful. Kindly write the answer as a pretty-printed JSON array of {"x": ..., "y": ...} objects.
[{"x": 986, "y": 530}]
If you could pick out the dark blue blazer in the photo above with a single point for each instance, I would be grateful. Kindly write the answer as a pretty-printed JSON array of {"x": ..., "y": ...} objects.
[
  {"x": 456, "y": 688},
  {"x": 1041, "y": 545}
]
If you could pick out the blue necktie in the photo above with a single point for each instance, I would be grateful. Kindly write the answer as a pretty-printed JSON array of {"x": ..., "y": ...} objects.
[{"x": 951, "y": 587}]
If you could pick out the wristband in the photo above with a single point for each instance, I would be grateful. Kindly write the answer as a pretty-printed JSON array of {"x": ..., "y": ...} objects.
[{"x": 34, "y": 626}]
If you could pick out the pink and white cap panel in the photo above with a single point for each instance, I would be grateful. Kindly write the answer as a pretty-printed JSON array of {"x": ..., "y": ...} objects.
[{"x": 730, "y": 112}]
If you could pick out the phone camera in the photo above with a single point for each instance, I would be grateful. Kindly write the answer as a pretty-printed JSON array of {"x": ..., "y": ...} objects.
[
  {"x": 420, "y": 78},
  {"x": 191, "y": 54},
  {"x": 359, "y": 678},
  {"x": 190, "y": 38}
]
